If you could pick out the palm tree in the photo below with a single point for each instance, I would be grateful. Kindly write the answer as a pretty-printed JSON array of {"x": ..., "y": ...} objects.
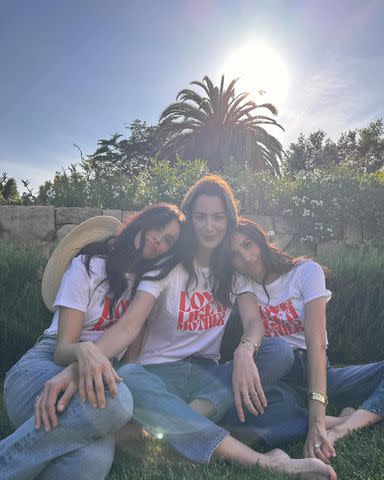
[{"x": 220, "y": 126}]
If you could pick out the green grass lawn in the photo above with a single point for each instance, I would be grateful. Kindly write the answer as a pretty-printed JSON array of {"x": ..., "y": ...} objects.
[{"x": 360, "y": 457}]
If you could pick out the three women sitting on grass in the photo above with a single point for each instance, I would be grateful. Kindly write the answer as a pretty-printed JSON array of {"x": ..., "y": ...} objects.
[{"x": 180, "y": 293}]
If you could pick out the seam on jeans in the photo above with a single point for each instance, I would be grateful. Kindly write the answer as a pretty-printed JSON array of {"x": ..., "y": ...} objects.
[
  {"x": 216, "y": 403},
  {"x": 218, "y": 439},
  {"x": 379, "y": 411}
]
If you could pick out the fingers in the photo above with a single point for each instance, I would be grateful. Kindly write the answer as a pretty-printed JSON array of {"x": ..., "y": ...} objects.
[
  {"x": 110, "y": 378},
  {"x": 261, "y": 394},
  {"x": 82, "y": 389},
  {"x": 38, "y": 419},
  {"x": 90, "y": 391},
  {"x": 320, "y": 454},
  {"x": 100, "y": 392},
  {"x": 239, "y": 406},
  {"x": 327, "y": 449},
  {"x": 66, "y": 397},
  {"x": 45, "y": 411}
]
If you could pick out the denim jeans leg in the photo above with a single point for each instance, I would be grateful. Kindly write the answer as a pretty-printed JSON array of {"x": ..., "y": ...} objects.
[
  {"x": 27, "y": 452},
  {"x": 93, "y": 461},
  {"x": 204, "y": 383},
  {"x": 161, "y": 411},
  {"x": 274, "y": 360},
  {"x": 359, "y": 386},
  {"x": 284, "y": 419}
]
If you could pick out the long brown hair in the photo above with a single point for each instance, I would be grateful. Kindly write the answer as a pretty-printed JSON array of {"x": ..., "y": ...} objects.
[
  {"x": 121, "y": 255},
  {"x": 222, "y": 272},
  {"x": 274, "y": 259}
]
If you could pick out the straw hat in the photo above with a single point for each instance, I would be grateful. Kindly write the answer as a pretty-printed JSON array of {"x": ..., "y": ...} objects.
[{"x": 95, "y": 229}]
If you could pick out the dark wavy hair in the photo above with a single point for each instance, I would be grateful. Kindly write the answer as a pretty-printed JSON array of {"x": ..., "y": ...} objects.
[
  {"x": 274, "y": 259},
  {"x": 121, "y": 255},
  {"x": 222, "y": 272}
]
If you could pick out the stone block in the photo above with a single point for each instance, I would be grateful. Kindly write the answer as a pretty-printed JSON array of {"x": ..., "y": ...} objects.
[
  {"x": 283, "y": 240},
  {"x": 265, "y": 221},
  {"x": 75, "y": 215},
  {"x": 113, "y": 213},
  {"x": 24, "y": 225},
  {"x": 64, "y": 230},
  {"x": 285, "y": 224},
  {"x": 125, "y": 214},
  {"x": 329, "y": 249},
  {"x": 353, "y": 234}
]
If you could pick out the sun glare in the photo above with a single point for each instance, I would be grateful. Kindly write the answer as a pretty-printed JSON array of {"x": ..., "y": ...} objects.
[{"x": 260, "y": 70}]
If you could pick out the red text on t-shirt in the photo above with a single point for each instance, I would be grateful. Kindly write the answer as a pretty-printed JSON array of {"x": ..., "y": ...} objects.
[
  {"x": 281, "y": 320},
  {"x": 199, "y": 312},
  {"x": 105, "y": 321}
]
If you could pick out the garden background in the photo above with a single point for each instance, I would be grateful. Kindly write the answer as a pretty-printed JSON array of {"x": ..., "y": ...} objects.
[{"x": 328, "y": 188}]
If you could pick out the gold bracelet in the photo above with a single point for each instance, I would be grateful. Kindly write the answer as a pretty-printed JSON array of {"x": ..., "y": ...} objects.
[
  {"x": 318, "y": 397},
  {"x": 254, "y": 345}
]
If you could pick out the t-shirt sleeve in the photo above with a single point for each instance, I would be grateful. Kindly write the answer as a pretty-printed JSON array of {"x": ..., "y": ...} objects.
[
  {"x": 74, "y": 289},
  {"x": 312, "y": 282},
  {"x": 242, "y": 284},
  {"x": 154, "y": 287}
]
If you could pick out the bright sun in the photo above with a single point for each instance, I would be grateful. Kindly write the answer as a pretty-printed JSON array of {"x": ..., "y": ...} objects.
[{"x": 259, "y": 68}]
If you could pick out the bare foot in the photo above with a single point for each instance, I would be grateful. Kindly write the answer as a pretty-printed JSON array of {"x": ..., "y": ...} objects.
[
  {"x": 305, "y": 468},
  {"x": 331, "y": 422},
  {"x": 131, "y": 434},
  {"x": 337, "y": 432},
  {"x": 347, "y": 411}
]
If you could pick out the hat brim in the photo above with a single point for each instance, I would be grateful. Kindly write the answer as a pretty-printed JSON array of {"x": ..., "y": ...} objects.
[{"x": 95, "y": 229}]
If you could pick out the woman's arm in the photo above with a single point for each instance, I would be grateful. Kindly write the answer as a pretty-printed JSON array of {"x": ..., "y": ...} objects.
[
  {"x": 315, "y": 337},
  {"x": 94, "y": 368},
  {"x": 246, "y": 380},
  {"x": 67, "y": 346},
  {"x": 131, "y": 354}
]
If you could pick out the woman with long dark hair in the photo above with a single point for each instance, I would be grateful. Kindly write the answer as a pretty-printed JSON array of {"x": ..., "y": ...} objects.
[
  {"x": 292, "y": 296},
  {"x": 89, "y": 282}
]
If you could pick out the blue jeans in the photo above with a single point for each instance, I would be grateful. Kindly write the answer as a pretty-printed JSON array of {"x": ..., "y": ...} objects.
[
  {"x": 162, "y": 394},
  {"x": 358, "y": 386},
  {"x": 81, "y": 447},
  {"x": 286, "y": 417}
]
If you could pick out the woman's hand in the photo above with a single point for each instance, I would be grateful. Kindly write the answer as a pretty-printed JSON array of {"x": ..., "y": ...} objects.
[
  {"x": 317, "y": 444},
  {"x": 46, "y": 405},
  {"x": 94, "y": 370},
  {"x": 246, "y": 383}
]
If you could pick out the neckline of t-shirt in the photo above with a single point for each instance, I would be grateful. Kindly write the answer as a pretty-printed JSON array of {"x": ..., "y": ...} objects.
[{"x": 281, "y": 277}]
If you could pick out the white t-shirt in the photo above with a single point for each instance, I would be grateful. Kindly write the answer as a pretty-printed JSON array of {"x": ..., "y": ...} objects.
[
  {"x": 284, "y": 314},
  {"x": 88, "y": 293},
  {"x": 185, "y": 324}
]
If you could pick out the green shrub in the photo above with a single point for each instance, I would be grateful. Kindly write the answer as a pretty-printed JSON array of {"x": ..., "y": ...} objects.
[
  {"x": 23, "y": 315},
  {"x": 158, "y": 181},
  {"x": 321, "y": 202},
  {"x": 356, "y": 311}
]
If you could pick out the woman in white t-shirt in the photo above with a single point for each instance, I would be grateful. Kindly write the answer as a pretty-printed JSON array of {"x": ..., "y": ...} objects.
[
  {"x": 292, "y": 296},
  {"x": 187, "y": 311},
  {"x": 93, "y": 293}
]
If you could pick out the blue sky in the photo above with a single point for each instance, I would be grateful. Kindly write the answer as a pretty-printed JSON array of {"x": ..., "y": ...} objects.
[{"x": 75, "y": 71}]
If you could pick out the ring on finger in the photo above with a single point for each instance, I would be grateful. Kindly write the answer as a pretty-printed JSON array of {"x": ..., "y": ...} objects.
[
  {"x": 317, "y": 445},
  {"x": 37, "y": 398},
  {"x": 251, "y": 395}
]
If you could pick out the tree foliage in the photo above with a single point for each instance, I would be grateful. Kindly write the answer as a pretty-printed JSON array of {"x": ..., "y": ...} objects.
[
  {"x": 8, "y": 190},
  {"x": 361, "y": 149},
  {"x": 220, "y": 126},
  {"x": 124, "y": 156}
]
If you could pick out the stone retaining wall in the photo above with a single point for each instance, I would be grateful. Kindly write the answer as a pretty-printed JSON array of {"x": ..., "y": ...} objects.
[{"x": 28, "y": 225}]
